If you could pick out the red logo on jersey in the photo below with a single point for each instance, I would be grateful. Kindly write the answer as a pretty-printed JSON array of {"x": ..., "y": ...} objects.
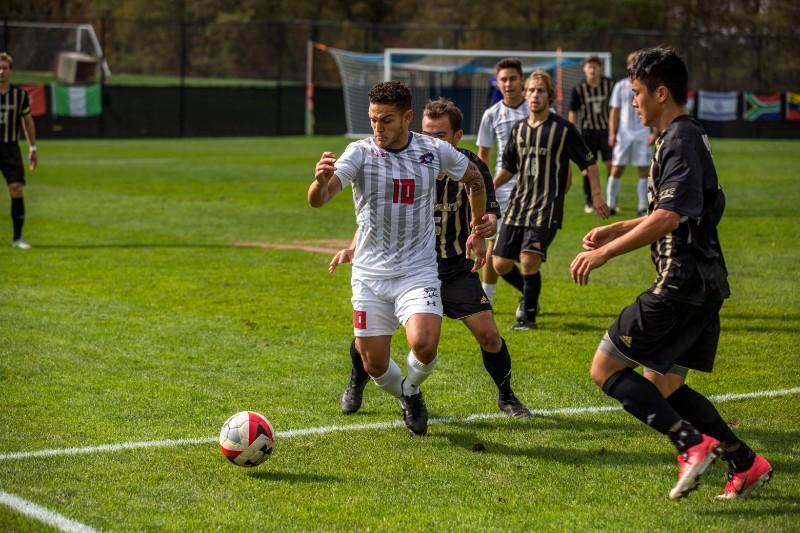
[{"x": 359, "y": 319}]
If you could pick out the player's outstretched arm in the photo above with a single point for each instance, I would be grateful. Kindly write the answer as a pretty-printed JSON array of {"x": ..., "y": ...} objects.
[
  {"x": 648, "y": 229},
  {"x": 488, "y": 226},
  {"x": 476, "y": 193},
  {"x": 325, "y": 185},
  {"x": 345, "y": 255},
  {"x": 602, "y": 235},
  {"x": 600, "y": 206},
  {"x": 476, "y": 248}
]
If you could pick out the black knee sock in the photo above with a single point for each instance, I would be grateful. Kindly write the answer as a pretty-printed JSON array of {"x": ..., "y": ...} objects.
[
  {"x": 532, "y": 286},
  {"x": 514, "y": 278},
  {"x": 358, "y": 365},
  {"x": 18, "y": 216},
  {"x": 498, "y": 365},
  {"x": 699, "y": 410},
  {"x": 642, "y": 399}
]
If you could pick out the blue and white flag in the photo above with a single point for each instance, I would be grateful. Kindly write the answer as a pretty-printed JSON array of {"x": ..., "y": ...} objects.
[{"x": 718, "y": 106}]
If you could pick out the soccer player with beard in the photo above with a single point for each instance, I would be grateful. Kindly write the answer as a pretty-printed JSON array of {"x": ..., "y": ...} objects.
[
  {"x": 539, "y": 150},
  {"x": 462, "y": 295},
  {"x": 395, "y": 279},
  {"x": 674, "y": 325}
]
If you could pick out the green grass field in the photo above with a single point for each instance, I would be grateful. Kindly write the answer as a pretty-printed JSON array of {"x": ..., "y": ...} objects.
[{"x": 135, "y": 319}]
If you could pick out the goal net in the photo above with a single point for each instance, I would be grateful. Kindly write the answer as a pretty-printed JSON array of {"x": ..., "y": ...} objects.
[
  {"x": 35, "y": 46},
  {"x": 464, "y": 76}
]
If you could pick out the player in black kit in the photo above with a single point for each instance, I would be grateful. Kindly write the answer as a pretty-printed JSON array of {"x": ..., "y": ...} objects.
[
  {"x": 539, "y": 150},
  {"x": 15, "y": 116},
  {"x": 462, "y": 295},
  {"x": 673, "y": 326}
]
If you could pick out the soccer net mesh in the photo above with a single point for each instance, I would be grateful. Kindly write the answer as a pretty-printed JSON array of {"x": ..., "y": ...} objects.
[
  {"x": 35, "y": 46},
  {"x": 464, "y": 76}
]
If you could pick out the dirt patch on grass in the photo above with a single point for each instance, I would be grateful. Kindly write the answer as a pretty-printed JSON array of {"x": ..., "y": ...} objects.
[{"x": 327, "y": 246}]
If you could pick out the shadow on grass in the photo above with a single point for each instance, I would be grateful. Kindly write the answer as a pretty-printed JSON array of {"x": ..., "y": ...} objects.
[
  {"x": 293, "y": 477},
  {"x": 567, "y": 456}
]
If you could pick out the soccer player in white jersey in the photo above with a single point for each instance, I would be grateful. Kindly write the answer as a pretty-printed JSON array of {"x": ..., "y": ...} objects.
[
  {"x": 395, "y": 276},
  {"x": 495, "y": 128},
  {"x": 630, "y": 141}
]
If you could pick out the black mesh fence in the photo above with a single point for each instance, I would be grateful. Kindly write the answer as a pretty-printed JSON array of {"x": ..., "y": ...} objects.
[{"x": 203, "y": 67}]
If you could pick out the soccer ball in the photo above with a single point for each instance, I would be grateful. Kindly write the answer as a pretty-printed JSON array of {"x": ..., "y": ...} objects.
[{"x": 246, "y": 438}]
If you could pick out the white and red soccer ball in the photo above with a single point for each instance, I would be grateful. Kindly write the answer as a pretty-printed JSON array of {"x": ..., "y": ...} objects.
[{"x": 246, "y": 438}]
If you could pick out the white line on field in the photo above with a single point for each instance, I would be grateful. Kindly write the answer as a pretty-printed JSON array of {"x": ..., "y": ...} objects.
[
  {"x": 43, "y": 515},
  {"x": 65, "y": 524},
  {"x": 58, "y": 452}
]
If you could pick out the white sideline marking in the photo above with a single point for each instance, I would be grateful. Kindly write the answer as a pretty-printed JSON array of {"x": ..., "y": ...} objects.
[
  {"x": 43, "y": 515},
  {"x": 58, "y": 452}
]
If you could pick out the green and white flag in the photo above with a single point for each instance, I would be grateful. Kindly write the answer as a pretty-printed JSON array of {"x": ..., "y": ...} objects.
[{"x": 76, "y": 100}]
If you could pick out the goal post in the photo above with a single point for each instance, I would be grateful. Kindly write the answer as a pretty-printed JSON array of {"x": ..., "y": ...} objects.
[
  {"x": 464, "y": 76},
  {"x": 35, "y": 46}
]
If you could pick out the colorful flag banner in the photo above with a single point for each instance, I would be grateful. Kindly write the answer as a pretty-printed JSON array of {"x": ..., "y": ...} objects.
[
  {"x": 691, "y": 101},
  {"x": 76, "y": 100},
  {"x": 38, "y": 101},
  {"x": 792, "y": 106},
  {"x": 762, "y": 106},
  {"x": 719, "y": 106}
]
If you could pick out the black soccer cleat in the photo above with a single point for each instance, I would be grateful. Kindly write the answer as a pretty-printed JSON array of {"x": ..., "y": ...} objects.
[
  {"x": 352, "y": 397},
  {"x": 524, "y": 325},
  {"x": 512, "y": 406},
  {"x": 415, "y": 414}
]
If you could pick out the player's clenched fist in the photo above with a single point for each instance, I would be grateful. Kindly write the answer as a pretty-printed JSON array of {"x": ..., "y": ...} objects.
[{"x": 325, "y": 168}]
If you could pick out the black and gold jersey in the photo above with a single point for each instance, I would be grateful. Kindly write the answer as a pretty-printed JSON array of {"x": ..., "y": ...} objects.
[
  {"x": 14, "y": 104},
  {"x": 689, "y": 263},
  {"x": 541, "y": 155}
]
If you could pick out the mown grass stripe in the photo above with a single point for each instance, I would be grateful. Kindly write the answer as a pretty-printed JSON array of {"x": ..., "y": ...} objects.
[{"x": 59, "y": 452}]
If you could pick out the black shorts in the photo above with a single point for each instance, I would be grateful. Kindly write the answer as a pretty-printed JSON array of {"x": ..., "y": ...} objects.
[
  {"x": 512, "y": 240},
  {"x": 11, "y": 163},
  {"x": 597, "y": 141},
  {"x": 462, "y": 293},
  {"x": 658, "y": 333}
]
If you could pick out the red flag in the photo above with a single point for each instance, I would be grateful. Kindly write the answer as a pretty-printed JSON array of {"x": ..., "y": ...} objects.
[{"x": 38, "y": 101}]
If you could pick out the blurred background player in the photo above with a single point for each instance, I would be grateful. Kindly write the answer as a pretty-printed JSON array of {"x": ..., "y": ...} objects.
[
  {"x": 539, "y": 151},
  {"x": 495, "y": 128},
  {"x": 15, "y": 114},
  {"x": 462, "y": 296},
  {"x": 674, "y": 325},
  {"x": 394, "y": 277},
  {"x": 630, "y": 142},
  {"x": 590, "y": 99}
]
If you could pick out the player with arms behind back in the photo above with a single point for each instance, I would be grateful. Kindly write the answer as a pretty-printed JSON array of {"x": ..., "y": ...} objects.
[
  {"x": 674, "y": 325},
  {"x": 539, "y": 150},
  {"x": 394, "y": 279},
  {"x": 462, "y": 296}
]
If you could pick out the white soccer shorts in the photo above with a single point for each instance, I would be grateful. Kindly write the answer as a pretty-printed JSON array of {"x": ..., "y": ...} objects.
[
  {"x": 633, "y": 151},
  {"x": 380, "y": 306}
]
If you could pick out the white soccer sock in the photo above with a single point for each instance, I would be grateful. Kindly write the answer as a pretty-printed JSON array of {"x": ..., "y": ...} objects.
[
  {"x": 642, "y": 189},
  {"x": 612, "y": 191},
  {"x": 490, "y": 289},
  {"x": 392, "y": 380},
  {"x": 417, "y": 373}
]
